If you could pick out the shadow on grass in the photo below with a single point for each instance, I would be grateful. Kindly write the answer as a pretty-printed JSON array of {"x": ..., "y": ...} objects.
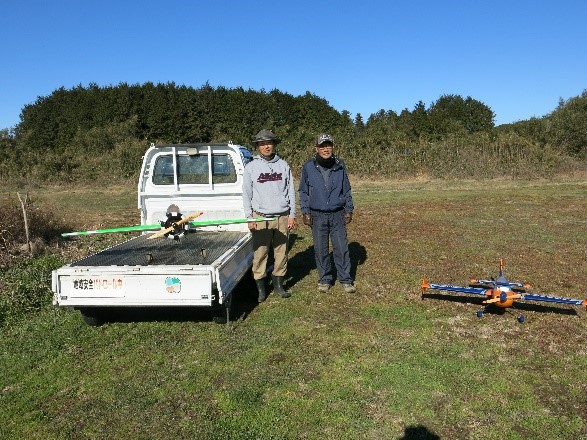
[
  {"x": 302, "y": 263},
  {"x": 418, "y": 433},
  {"x": 152, "y": 314},
  {"x": 358, "y": 257}
]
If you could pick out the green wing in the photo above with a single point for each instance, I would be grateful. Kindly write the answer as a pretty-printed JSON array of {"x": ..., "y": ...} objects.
[
  {"x": 158, "y": 227},
  {"x": 112, "y": 230}
]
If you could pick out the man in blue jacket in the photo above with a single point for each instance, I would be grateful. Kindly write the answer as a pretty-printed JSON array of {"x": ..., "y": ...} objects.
[{"x": 327, "y": 207}]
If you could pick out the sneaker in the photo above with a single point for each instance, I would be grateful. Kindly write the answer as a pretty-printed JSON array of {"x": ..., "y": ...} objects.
[
  {"x": 349, "y": 288},
  {"x": 323, "y": 287}
]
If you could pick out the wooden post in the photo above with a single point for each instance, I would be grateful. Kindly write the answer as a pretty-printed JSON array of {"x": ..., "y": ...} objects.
[{"x": 26, "y": 222}]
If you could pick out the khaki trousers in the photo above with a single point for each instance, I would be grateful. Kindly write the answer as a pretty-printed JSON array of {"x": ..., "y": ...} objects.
[{"x": 270, "y": 233}]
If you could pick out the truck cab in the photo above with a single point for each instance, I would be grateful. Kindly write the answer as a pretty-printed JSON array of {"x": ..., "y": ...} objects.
[{"x": 196, "y": 177}]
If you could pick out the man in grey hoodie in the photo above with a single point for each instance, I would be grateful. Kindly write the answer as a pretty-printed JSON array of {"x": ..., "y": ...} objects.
[{"x": 268, "y": 190}]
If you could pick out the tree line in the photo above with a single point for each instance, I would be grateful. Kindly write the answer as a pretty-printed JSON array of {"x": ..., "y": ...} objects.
[{"x": 99, "y": 133}]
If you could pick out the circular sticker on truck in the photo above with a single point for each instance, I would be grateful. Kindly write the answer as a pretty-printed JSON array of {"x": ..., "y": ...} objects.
[{"x": 173, "y": 284}]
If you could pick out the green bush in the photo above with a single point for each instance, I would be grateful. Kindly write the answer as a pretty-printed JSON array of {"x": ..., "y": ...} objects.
[{"x": 25, "y": 287}]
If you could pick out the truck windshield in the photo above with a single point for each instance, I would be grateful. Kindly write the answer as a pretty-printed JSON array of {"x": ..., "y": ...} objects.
[{"x": 194, "y": 169}]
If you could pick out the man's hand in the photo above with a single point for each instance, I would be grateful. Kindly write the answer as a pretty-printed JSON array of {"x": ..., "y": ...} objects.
[
  {"x": 291, "y": 223},
  {"x": 307, "y": 218},
  {"x": 348, "y": 217},
  {"x": 252, "y": 226}
]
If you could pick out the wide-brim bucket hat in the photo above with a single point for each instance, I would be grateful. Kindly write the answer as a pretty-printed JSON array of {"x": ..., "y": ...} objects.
[{"x": 266, "y": 135}]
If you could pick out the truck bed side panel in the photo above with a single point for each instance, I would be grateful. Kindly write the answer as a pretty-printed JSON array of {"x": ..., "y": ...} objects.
[{"x": 235, "y": 264}]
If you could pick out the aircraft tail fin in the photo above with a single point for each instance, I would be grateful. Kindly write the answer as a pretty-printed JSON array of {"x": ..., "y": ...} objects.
[{"x": 425, "y": 285}]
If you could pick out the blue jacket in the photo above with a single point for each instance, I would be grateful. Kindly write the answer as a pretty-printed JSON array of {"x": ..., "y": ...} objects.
[{"x": 315, "y": 195}]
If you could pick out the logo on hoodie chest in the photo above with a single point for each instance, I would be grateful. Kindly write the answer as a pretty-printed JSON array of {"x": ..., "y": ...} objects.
[{"x": 269, "y": 177}]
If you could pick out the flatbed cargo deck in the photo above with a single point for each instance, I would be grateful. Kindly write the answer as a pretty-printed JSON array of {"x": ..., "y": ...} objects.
[{"x": 199, "y": 248}]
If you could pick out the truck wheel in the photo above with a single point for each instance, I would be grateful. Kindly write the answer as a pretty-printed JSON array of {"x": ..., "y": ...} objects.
[{"x": 92, "y": 319}]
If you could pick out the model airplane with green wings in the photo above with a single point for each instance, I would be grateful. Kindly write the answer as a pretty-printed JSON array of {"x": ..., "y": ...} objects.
[
  {"x": 173, "y": 227},
  {"x": 500, "y": 292}
]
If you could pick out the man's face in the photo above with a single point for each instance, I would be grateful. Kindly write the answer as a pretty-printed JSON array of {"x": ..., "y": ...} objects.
[
  {"x": 325, "y": 150},
  {"x": 266, "y": 148}
]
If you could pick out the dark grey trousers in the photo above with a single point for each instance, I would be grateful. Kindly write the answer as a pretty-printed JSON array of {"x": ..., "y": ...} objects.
[{"x": 330, "y": 227}]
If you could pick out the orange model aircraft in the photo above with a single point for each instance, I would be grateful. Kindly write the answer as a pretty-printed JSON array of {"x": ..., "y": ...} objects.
[{"x": 500, "y": 292}]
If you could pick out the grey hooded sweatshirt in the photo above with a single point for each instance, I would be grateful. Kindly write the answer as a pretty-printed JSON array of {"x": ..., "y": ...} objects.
[{"x": 268, "y": 187}]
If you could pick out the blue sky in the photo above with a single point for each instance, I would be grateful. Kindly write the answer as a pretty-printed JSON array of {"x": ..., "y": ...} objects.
[{"x": 517, "y": 57}]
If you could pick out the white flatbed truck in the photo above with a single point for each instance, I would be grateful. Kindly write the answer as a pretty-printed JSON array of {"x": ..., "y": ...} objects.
[{"x": 198, "y": 267}]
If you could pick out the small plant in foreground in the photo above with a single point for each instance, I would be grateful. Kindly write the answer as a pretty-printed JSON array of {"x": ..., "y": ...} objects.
[{"x": 25, "y": 287}]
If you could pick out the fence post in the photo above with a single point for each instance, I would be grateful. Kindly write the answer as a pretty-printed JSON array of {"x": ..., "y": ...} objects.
[{"x": 26, "y": 222}]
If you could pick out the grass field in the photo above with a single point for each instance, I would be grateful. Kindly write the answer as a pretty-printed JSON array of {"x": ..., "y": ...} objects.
[{"x": 381, "y": 364}]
